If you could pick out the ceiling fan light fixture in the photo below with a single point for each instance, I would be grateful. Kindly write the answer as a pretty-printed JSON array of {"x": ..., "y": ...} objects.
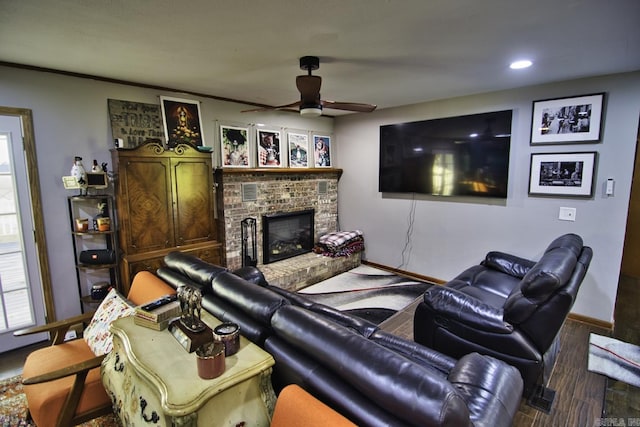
[{"x": 313, "y": 110}]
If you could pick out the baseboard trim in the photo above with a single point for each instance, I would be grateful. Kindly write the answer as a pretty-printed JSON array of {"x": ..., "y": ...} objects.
[
  {"x": 404, "y": 273},
  {"x": 590, "y": 321}
]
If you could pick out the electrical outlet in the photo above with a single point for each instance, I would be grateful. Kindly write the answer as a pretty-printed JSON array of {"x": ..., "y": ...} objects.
[{"x": 567, "y": 214}]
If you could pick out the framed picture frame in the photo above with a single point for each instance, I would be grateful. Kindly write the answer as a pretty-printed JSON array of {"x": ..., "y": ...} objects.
[
  {"x": 234, "y": 146},
  {"x": 567, "y": 120},
  {"x": 269, "y": 149},
  {"x": 322, "y": 151},
  {"x": 182, "y": 121},
  {"x": 562, "y": 174},
  {"x": 298, "y": 149}
]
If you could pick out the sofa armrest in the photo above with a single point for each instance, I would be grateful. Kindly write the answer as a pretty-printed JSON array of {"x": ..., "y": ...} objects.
[
  {"x": 508, "y": 264},
  {"x": 491, "y": 388},
  {"x": 463, "y": 308}
]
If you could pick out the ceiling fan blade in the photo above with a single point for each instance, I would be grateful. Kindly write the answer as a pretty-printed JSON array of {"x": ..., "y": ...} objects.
[
  {"x": 349, "y": 106},
  {"x": 278, "y": 107},
  {"x": 309, "y": 87}
]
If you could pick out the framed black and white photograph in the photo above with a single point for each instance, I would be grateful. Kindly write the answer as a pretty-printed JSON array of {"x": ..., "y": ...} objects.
[
  {"x": 234, "y": 146},
  {"x": 269, "y": 148},
  {"x": 182, "y": 121},
  {"x": 567, "y": 120},
  {"x": 298, "y": 144},
  {"x": 322, "y": 151},
  {"x": 562, "y": 174}
]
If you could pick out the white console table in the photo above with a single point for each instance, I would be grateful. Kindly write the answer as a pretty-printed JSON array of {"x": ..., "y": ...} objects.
[{"x": 153, "y": 381}]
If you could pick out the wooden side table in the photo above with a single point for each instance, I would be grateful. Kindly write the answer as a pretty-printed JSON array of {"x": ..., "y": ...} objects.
[{"x": 152, "y": 380}]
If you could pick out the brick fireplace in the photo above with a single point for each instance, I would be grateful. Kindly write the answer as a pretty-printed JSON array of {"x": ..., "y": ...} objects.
[{"x": 254, "y": 193}]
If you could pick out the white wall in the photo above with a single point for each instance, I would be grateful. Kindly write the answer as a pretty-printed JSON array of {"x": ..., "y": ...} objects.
[
  {"x": 450, "y": 235},
  {"x": 71, "y": 118}
]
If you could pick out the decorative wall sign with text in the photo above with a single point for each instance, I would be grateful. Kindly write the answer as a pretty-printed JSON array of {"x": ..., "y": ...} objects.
[{"x": 135, "y": 122}]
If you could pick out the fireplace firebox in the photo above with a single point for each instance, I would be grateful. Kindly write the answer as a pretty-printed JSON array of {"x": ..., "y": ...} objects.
[{"x": 285, "y": 235}]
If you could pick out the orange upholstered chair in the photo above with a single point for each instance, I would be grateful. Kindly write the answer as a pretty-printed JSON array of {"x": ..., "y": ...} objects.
[
  {"x": 62, "y": 382},
  {"x": 297, "y": 408}
]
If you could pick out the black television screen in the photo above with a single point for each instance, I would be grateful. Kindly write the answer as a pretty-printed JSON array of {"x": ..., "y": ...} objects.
[{"x": 454, "y": 156}]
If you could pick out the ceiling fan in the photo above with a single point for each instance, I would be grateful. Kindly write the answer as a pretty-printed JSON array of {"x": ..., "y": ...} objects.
[{"x": 310, "y": 103}]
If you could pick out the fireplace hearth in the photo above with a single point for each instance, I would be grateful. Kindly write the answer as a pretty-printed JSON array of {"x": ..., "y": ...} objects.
[{"x": 287, "y": 234}]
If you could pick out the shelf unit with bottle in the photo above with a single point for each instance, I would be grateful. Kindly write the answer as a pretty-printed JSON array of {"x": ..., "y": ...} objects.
[{"x": 94, "y": 233}]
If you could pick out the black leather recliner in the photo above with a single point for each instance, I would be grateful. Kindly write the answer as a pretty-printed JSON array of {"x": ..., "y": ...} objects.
[{"x": 507, "y": 307}]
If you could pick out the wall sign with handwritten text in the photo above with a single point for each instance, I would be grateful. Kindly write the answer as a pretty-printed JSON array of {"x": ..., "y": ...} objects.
[{"x": 135, "y": 122}]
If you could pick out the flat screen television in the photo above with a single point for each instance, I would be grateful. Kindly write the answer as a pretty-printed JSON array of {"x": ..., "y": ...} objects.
[{"x": 453, "y": 156}]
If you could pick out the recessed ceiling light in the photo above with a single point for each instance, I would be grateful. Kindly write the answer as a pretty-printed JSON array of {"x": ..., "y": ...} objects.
[{"x": 518, "y": 65}]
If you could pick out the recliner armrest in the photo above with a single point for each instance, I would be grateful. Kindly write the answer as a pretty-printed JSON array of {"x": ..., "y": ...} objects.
[
  {"x": 463, "y": 308},
  {"x": 508, "y": 264}
]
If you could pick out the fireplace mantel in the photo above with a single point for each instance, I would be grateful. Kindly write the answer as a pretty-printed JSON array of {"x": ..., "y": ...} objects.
[{"x": 280, "y": 171}]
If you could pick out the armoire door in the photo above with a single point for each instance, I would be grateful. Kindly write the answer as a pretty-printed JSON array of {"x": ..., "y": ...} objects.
[
  {"x": 193, "y": 194},
  {"x": 146, "y": 204}
]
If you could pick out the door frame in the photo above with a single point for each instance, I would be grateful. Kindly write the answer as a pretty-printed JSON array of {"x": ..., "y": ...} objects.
[{"x": 29, "y": 142}]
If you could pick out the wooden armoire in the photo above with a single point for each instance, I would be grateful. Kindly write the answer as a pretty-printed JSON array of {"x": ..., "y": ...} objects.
[{"x": 164, "y": 202}]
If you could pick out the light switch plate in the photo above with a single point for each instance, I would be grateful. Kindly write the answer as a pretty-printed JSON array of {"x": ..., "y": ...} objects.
[{"x": 567, "y": 214}]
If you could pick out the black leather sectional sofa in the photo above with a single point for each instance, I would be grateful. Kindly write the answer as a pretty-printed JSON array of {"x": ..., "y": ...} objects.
[{"x": 372, "y": 377}]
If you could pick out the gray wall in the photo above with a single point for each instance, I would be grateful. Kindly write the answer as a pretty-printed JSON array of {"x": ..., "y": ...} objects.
[
  {"x": 450, "y": 235},
  {"x": 71, "y": 118}
]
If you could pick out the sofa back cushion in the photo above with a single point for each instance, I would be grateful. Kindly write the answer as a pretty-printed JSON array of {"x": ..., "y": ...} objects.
[
  {"x": 257, "y": 302},
  {"x": 194, "y": 268},
  {"x": 545, "y": 279},
  {"x": 413, "y": 393},
  {"x": 549, "y": 316},
  {"x": 362, "y": 326}
]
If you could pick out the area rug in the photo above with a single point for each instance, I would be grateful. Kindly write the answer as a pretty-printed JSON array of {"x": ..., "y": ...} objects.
[
  {"x": 13, "y": 407},
  {"x": 367, "y": 292},
  {"x": 615, "y": 359}
]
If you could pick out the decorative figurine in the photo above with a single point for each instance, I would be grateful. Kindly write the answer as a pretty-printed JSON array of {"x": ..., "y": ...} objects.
[
  {"x": 78, "y": 171},
  {"x": 191, "y": 305},
  {"x": 190, "y": 331}
]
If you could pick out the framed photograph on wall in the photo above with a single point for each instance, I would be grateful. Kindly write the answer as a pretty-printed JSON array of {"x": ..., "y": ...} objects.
[
  {"x": 567, "y": 120},
  {"x": 268, "y": 148},
  {"x": 182, "y": 121},
  {"x": 298, "y": 147},
  {"x": 322, "y": 151},
  {"x": 234, "y": 146},
  {"x": 562, "y": 174}
]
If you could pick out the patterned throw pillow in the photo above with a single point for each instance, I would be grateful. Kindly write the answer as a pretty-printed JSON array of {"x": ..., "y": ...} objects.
[{"x": 97, "y": 335}]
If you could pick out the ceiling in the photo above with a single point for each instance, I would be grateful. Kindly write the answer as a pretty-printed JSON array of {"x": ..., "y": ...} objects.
[{"x": 384, "y": 52}]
